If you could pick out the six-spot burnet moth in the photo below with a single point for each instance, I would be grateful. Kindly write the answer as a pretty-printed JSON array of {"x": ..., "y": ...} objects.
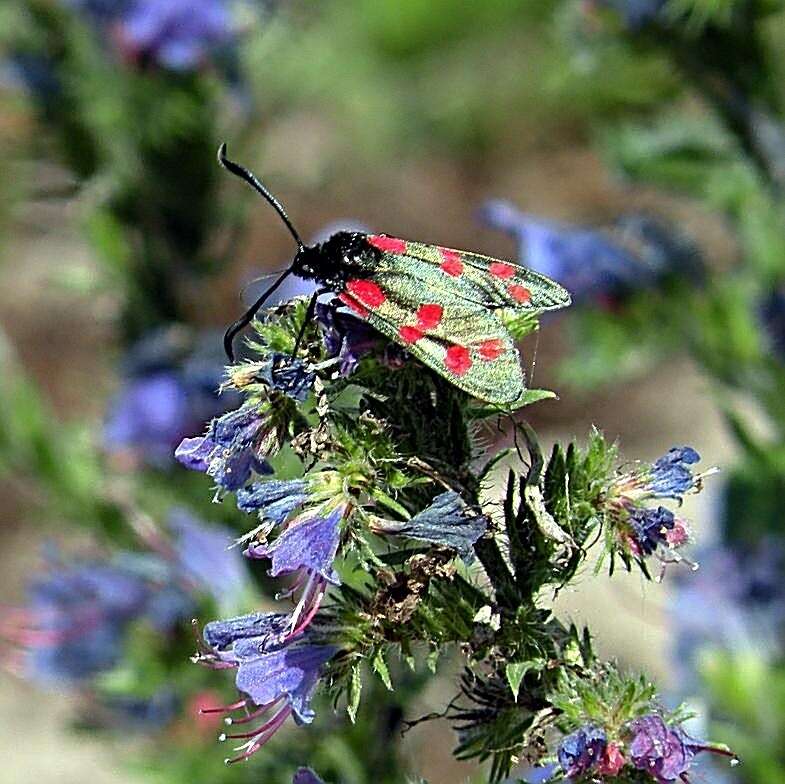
[{"x": 444, "y": 306}]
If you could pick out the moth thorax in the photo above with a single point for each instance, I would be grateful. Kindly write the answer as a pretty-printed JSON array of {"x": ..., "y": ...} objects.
[{"x": 334, "y": 261}]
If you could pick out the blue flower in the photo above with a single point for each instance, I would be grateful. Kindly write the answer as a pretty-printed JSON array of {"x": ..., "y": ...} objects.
[
  {"x": 772, "y": 314},
  {"x": 582, "y": 750},
  {"x": 306, "y": 776},
  {"x": 205, "y": 559},
  {"x": 671, "y": 476},
  {"x": 736, "y": 600},
  {"x": 76, "y": 621},
  {"x": 346, "y": 338},
  {"x": 100, "y": 11},
  {"x": 79, "y": 615},
  {"x": 220, "y": 635},
  {"x": 274, "y": 499},
  {"x": 636, "y": 14},
  {"x": 287, "y": 374},
  {"x": 35, "y": 73},
  {"x": 309, "y": 544},
  {"x": 448, "y": 521},
  {"x": 275, "y": 675},
  {"x": 644, "y": 530},
  {"x": 230, "y": 451},
  {"x": 651, "y": 527},
  {"x": 149, "y": 416},
  {"x": 170, "y": 390},
  {"x": 178, "y": 35},
  {"x": 143, "y": 713},
  {"x": 307, "y": 548},
  {"x": 590, "y": 264}
]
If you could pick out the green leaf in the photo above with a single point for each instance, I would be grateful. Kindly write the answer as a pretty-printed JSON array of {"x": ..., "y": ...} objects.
[
  {"x": 354, "y": 692},
  {"x": 380, "y": 667},
  {"x": 515, "y": 672},
  {"x": 385, "y": 500}
]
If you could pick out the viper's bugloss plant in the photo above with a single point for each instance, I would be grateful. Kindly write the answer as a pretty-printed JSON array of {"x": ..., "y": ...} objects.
[{"x": 363, "y": 477}]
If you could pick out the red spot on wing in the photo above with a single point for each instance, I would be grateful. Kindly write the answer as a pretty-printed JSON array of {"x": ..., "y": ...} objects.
[
  {"x": 409, "y": 334},
  {"x": 452, "y": 263},
  {"x": 501, "y": 270},
  {"x": 519, "y": 293},
  {"x": 429, "y": 316},
  {"x": 366, "y": 291},
  {"x": 491, "y": 349},
  {"x": 387, "y": 244},
  {"x": 352, "y": 303},
  {"x": 457, "y": 360}
]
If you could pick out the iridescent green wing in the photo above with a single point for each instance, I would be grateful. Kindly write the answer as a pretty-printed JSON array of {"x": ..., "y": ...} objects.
[
  {"x": 443, "y": 326},
  {"x": 502, "y": 283}
]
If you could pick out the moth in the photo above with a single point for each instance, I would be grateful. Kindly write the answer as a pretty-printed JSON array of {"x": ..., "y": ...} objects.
[{"x": 443, "y": 305}]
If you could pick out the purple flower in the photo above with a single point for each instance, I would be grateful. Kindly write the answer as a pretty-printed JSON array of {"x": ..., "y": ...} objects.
[
  {"x": 100, "y": 11},
  {"x": 274, "y": 499},
  {"x": 76, "y": 621},
  {"x": 650, "y": 527},
  {"x": 592, "y": 265},
  {"x": 143, "y": 713},
  {"x": 149, "y": 416},
  {"x": 175, "y": 34},
  {"x": 276, "y": 676},
  {"x": 345, "y": 337},
  {"x": 772, "y": 315},
  {"x": 306, "y": 776},
  {"x": 221, "y": 634},
  {"x": 34, "y": 72},
  {"x": 170, "y": 390},
  {"x": 230, "y": 452},
  {"x": 79, "y": 615},
  {"x": 310, "y": 544},
  {"x": 288, "y": 375},
  {"x": 659, "y": 750},
  {"x": 204, "y": 557},
  {"x": 307, "y": 548},
  {"x": 580, "y": 751},
  {"x": 448, "y": 521},
  {"x": 736, "y": 600}
]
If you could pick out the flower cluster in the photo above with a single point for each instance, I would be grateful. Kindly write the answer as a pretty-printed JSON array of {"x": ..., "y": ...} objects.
[
  {"x": 596, "y": 266},
  {"x": 648, "y": 743},
  {"x": 640, "y": 530},
  {"x": 171, "y": 388},
  {"x": 175, "y": 35},
  {"x": 79, "y": 615}
]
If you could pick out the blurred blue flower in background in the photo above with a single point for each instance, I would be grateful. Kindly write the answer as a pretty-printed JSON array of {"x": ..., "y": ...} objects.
[
  {"x": 171, "y": 389},
  {"x": 593, "y": 265},
  {"x": 78, "y": 616},
  {"x": 736, "y": 601},
  {"x": 174, "y": 34},
  {"x": 637, "y": 13},
  {"x": 772, "y": 313},
  {"x": 75, "y": 623}
]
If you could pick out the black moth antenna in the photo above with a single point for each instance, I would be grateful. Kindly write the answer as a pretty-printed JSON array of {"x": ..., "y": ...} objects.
[{"x": 250, "y": 178}]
